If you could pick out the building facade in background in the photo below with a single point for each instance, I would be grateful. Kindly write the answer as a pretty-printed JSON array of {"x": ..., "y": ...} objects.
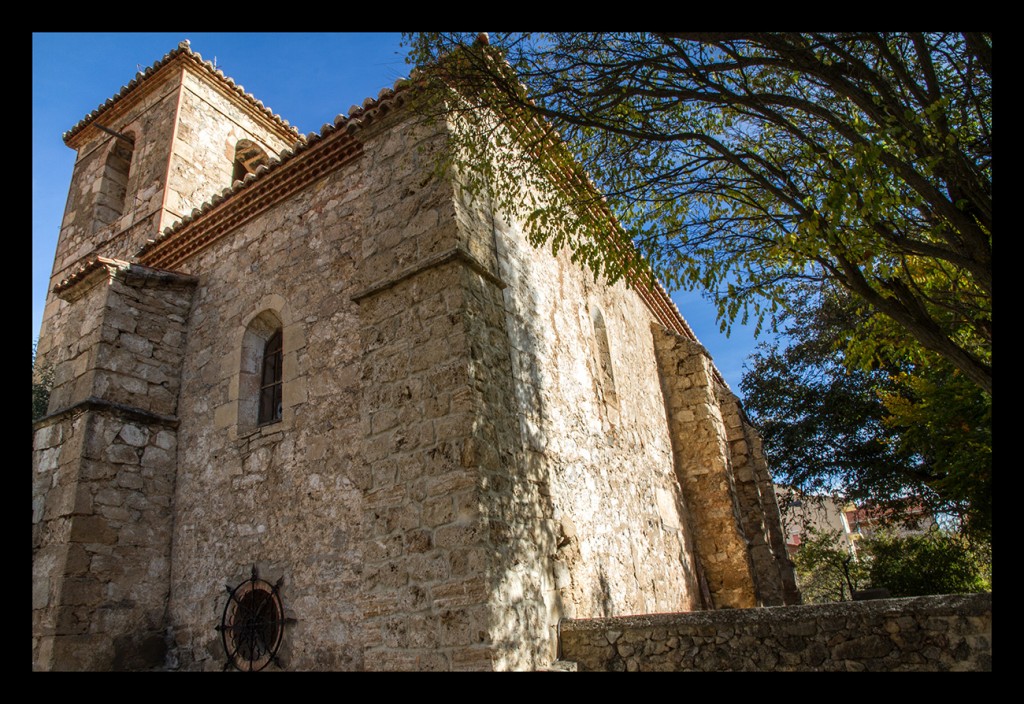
[{"x": 803, "y": 514}]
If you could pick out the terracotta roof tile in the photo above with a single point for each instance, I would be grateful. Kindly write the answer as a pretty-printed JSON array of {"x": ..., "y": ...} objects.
[
  {"x": 358, "y": 116},
  {"x": 184, "y": 51},
  {"x": 85, "y": 270}
]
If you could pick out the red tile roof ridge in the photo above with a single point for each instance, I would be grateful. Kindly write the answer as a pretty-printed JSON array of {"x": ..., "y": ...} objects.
[
  {"x": 358, "y": 118},
  {"x": 87, "y": 267},
  {"x": 183, "y": 50}
]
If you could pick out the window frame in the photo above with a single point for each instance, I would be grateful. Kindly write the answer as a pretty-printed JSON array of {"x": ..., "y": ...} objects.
[{"x": 270, "y": 408}]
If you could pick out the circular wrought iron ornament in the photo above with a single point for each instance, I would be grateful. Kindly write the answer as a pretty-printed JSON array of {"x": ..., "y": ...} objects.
[{"x": 252, "y": 626}]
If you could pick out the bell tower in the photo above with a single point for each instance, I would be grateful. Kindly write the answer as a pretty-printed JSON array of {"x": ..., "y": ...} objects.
[
  {"x": 176, "y": 135},
  {"x": 114, "y": 333},
  {"x": 173, "y": 137}
]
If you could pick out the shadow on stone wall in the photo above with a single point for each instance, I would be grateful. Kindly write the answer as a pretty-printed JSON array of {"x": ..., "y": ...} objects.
[{"x": 923, "y": 634}]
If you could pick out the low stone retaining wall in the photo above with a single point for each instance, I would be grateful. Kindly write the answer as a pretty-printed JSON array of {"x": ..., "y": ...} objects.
[{"x": 933, "y": 633}]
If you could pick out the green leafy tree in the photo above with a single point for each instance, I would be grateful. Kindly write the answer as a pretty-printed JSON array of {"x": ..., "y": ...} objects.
[
  {"x": 933, "y": 563},
  {"x": 904, "y": 433},
  {"x": 938, "y": 416},
  {"x": 42, "y": 382},
  {"x": 825, "y": 568},
  {"x": 744, "y": 163}
]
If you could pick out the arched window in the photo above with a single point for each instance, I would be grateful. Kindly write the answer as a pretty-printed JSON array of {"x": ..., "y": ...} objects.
[
  {"x": 260, "y": 381},
  {"x": 114, "y": 183},
  {"x": 606, "y": 378},
  {"x": 270, "y": 381},
  {"x": 249, "y": 156}
]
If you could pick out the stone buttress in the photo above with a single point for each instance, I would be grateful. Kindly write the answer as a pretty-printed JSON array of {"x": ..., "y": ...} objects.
[
  {"x": 724, "y": 480},
  {"x": 104, "y": 463}
]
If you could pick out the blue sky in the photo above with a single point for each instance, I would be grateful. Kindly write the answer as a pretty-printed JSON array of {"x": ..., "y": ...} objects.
[{"x": 306, "y": 78}]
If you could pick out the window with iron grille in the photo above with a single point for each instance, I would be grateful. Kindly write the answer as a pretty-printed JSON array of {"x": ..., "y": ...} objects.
[
  {"x": 252, "y": 626},
  {"x": 270, "y": 381}
]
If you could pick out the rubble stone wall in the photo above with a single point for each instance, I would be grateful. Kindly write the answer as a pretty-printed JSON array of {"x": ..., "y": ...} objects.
[
  {"x": 103, "y": 479},
  {"x": 286, "y": 497},
  {"x": 428, "y": 551},
  {"x": 919, "y": 634},
  {"x": 703, "y": 465},
  {"x": 589, "y": 507}
]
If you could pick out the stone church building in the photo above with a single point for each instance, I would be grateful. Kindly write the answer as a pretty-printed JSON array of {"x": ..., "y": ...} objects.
[{"x": 317, "y": 408}]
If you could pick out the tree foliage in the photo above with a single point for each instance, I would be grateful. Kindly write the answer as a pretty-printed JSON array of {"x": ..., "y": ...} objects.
[
  {"x": 933, "y": 563},
  {"x": 825, "y": 568},
  {"x": 42, "y": 382},
  {"x": 742, "y": 163},
  {"x": 902, "y": 434}
]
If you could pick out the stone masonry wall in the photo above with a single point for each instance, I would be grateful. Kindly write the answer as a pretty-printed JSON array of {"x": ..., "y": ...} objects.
[
  {"x": 286, "y": 497},
  {"x": 208, "y": 129},
  {"x": 758, "y": 507},
  {"x": 418, "y": 522},
  {"x": 151, "y": 124},
  {"x": 919, "y": 634},
  {"x": 586, "y": 503},
  {"x": 604, "y": 457},
  {"x": 103, "y": 479},
  {"x": 703, "y": 464},
  {"x": 426, "y": 556},
  {"x": 436, "y": 405},
  {"x": 365, "y": 497},
  {"x": 56, "y": 465}
]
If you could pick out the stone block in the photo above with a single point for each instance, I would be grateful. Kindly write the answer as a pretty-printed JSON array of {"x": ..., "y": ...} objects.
[
  {"x": 466, "y": 592},
  {"x": 91, "y": 529},
  {"x": 155, "y": 458},
  {"x": 134, "y": 435},
  {"x": 48, "y": 437},
  {"x": 82, "y": 591},
  {"x": 224, "y": 415}
]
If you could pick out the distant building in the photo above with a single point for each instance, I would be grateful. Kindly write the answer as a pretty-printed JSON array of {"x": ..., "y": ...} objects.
[
  {"x": 802, "y": 513},
  {"x": 867, "y": 521}
]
